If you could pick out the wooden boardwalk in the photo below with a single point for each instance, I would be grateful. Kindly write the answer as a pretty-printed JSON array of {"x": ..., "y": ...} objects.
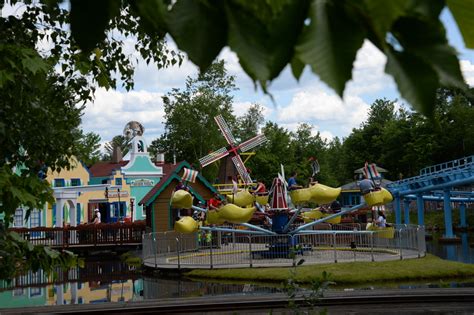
[{"x": 86, "y": 235}]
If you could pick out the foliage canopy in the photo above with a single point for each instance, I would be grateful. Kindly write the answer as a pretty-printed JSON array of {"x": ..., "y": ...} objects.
[{"x": 269, "y": 35}]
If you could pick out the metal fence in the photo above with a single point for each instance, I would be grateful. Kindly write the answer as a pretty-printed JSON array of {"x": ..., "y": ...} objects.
[{"x": 224, "y": 250}]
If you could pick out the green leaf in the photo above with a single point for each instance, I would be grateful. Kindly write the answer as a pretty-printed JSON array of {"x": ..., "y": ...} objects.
[
  {"x": 330, "y": 42},
  {"x": 264, "y": 41},
  {"x": 297, "y": 67},
  {"x": 51, "y": 253},
  {"x": 199, "y": 29},
  {"x": 34, "y": 64},
  {"x": 152, "y": 14},
  {"x": 427, "y": 40},
  {"x": 16, "y": 237},
  {"x": 384, "y": 13},
  {"x": 463, "y": 12},
  {"x": 417, "y": 81},
  {"x": 89, "y": 20}
]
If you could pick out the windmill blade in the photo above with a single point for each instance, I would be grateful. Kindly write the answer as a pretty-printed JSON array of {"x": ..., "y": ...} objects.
[
  {"x": 225, "y": 129},
  {"x": 252, "y": 143},
  {"x": 239, "y": 165},
  {"x": 213, "y": 156}
]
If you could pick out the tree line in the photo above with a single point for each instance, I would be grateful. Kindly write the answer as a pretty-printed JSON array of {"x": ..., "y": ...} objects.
[{"x": 394, "y": 137}]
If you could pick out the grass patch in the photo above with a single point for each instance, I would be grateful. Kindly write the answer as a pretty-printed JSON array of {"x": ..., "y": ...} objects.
[{"x": 427, "y": 268}]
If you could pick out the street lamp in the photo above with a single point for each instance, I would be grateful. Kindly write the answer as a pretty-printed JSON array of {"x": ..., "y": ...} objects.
[
  {"x": 119, "y": 205},
  {"x": 131, "y": 208}
]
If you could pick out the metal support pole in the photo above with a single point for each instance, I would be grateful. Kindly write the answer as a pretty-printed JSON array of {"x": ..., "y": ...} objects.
[
  {"x": 400, "y": 243},
  {"x": 418, "y": 241},
  {"x": 250, "y": 250},
  {"x": 448, "y": 215},
  {"x": 177, "y": 251},
  {"x": 406, "y": 209},
  {"x": 398, "y": 211},
  {"x": 154, "y": 248},
  {"x": 294, "y": 249},
  {"x": 210, "y": 252},
  {"x": 420, "y": 205},
  {"x": 462, "y": 214},
  {"x": 372, "y": 245},
  {"x": 334, "y": 246}
]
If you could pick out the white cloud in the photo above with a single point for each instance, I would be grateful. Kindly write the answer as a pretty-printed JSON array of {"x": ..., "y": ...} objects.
[
  {"x": 240, "y": 108},
  {"x": 111, "y": 110},
  {"x": 326, "y": 135},
  {"x": 467, "y": 69},
  {"x": 368, "y": 74}
]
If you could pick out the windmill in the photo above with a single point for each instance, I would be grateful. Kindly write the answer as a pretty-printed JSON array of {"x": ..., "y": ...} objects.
[{"x": 233, "y": 150}]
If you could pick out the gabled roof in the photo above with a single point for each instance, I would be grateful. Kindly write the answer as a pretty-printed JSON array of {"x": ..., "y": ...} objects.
[
  {"x": 103, "y": 169},
  {"x": 171, "y": 172}
]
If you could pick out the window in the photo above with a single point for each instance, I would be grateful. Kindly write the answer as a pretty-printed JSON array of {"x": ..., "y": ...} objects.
[
  {"x": 59, "y": 182},
  {"x": 35, "y": 218},
  {"x": 104, "y": 181},
  {"x": 75, "y": 182},
  {"x": 18, "y": 292},
  {"x": 34, "y": 291},
  {"x": 118, "y": 182},
  {"x": 18, "y": 220}
]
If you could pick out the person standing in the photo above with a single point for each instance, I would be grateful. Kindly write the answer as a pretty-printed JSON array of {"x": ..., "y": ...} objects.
[
  {"x": 97, "y": 218},
  {"x": 292, "y": 184}
]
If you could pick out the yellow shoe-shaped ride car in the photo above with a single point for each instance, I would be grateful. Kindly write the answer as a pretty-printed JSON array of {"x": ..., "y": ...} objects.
[
  {"x": 382, "y": 232},
  {"x": 186, "y": 225},
  {"x": 318, "y": 193},
  {"x": 316, "y": 214},
  {"x": 378, "y": 197},
  {"x": 242, "y": 198},
  {"x": 181, "y": 199}
]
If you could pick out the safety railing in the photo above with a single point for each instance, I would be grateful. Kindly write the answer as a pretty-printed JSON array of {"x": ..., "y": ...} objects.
[
  {"x": 214, "y": 249},
  {"x": 85, "y": 234}
]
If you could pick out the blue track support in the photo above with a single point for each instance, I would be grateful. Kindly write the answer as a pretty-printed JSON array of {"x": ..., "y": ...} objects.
[
  {"x": 462, "y": 214},
  {"x": 448, "y": 215},
  {"x": 420, "y": 205},
  {"x": 406, "y": 209},
  {"x": 398, "y": 211}
]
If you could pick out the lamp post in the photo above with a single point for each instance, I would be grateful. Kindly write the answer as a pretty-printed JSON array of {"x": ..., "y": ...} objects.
[
  {"x": 131, "y": 209},
  {"x": 119, "y": 205},
  {"x": 107, "y": 207}
]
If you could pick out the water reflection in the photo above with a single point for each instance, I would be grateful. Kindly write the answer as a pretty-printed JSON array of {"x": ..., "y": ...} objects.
[
  {"x": 108, "y": 281},
  {"x": 461, "y": 252},
  {"x": 113, "y": 281},
  {"x": 99, "y": 281}
]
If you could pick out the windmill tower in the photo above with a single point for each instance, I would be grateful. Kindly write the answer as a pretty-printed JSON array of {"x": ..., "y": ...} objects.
[{"x": 232, "y": 151}]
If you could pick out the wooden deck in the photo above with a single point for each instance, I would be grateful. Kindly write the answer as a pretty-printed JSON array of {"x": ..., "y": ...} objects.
[{"x": 85, "y": 235}]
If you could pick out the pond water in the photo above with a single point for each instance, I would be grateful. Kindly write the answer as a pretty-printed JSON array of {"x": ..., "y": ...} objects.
[
  {"x": 107, "y": 280},
  {"x": 462, "y": 252}
]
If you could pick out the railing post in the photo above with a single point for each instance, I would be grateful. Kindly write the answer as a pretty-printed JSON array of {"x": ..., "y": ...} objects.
[
  {"x": 250, "y": 250},
  {"x": 334, "y": 246},
  {"x": 177, "y": 250},
  {"x": 294, "y": 249},
  {"x": 210, "y": 252},
  {"x": 155, "y": 247},
  {"x": 400, "y": 243},
  {"x": 372, "y": 245}
]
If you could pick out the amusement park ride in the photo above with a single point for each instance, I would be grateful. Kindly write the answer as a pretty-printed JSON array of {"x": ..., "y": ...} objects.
[{"x": 241, "y": 206}]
